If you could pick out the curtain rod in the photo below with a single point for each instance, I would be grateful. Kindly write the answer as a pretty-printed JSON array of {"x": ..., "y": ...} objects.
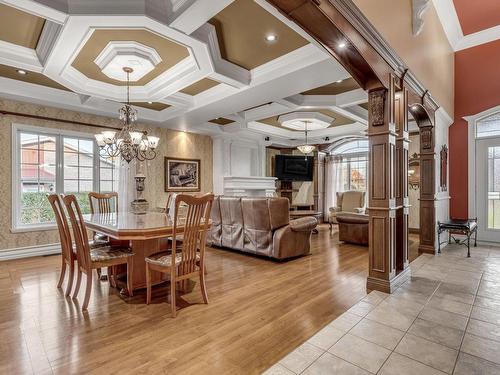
[{"x": 56, "y": 119}]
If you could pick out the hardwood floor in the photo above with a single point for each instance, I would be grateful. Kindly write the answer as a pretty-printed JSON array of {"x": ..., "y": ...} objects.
[{"x": 259, "y": 311}]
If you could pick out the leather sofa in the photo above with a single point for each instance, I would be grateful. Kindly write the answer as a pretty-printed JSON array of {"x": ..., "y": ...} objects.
[
  {"x": 353, "y": 228},
  {"x": 347, "y": 201},
  {"x": 259, "y": 226}
]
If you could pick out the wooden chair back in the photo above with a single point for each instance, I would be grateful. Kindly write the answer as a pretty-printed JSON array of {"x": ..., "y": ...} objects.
[
  {"x": 195, "y": 223},
  {"x": 103, "y": 203},
  {"x": 79, "y": 231},
  {"x": 62, "y": 226}
]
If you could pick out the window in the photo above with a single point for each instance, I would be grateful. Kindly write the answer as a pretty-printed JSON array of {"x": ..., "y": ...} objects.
[
  {"x": 488, "y": 126},
  {"x": 353, "y": 156},
  {"x": 54, "y": 161}
]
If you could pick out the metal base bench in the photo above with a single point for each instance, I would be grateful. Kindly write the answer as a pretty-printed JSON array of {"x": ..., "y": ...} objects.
[{"x": 466, "y": 227}]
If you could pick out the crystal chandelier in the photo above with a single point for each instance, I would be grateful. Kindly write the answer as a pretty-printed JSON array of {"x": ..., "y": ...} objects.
[
  {"x": 306, "y": 149},
  {"x": 128, "y": 143}
]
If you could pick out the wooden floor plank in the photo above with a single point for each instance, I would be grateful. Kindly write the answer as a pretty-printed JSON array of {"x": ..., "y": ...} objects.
[{"x": 259, "y": 311}]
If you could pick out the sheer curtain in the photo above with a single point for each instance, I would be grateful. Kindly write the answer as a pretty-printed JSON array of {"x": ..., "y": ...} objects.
[
  {"x": 333, "y": 181},
  {"x": 126, "y": 185}
]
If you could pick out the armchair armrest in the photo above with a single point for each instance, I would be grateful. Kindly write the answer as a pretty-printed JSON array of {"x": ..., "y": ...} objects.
[
  {"x": 360, "y": 210},
  {"x": 303, "y": 224},
  {"x": 335, "y": 209}
]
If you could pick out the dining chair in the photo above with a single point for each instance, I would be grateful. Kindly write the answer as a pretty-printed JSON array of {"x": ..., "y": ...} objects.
[
  {"x": 103, "y": 203},
  {"x": 90, "y": 259},
  {"x": 186, "y": 260},
  {"x": 68, "y": 256}
]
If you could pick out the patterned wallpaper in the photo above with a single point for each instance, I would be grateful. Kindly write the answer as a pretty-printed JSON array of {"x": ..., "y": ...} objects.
[{"x": 172, "y": 143}]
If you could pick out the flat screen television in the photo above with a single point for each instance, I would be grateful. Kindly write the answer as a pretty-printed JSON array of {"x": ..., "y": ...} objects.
[{"x": 293, "y": 167}]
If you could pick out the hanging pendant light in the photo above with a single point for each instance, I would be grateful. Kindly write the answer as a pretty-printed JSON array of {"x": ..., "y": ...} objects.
[
  {"x": 306, "y": 148},
  {"x": 128, "y": 143}
]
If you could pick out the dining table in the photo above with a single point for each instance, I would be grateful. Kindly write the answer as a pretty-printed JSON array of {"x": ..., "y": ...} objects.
[{"x": 143, "y": 232}]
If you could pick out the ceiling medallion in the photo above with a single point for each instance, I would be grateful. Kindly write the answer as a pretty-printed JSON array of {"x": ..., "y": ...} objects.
[
  {"x": 129, "y": 143},
  {"x": 306, "y": 148},
  {"x": 117, "y": 54},
  {"x": 296, "y": 120}
]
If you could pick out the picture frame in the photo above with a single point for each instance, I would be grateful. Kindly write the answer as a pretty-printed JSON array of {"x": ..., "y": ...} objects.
[{"x": 182, "y": 175}]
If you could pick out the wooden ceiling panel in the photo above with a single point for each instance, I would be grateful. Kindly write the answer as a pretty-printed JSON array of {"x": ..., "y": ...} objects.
[
  {"x": 155, "y": 106},
  {"x": 31, "y": 77},
  {"x": 10, "y": 31},
  {"x": 221, "y": 121},
  {"x": 200, "y": 86},
  {"x": 334, "y": 88},
  {"x": 242, "y": 28}
]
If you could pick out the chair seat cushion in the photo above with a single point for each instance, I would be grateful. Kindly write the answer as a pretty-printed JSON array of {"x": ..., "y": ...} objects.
[
  {"x": 99, "y": 242},
  {"x": 165, "y": 259},
  {"x": 102, "y": 254}
]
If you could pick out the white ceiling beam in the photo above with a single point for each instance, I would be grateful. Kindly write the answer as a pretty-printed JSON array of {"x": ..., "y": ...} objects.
[
  {"x": 223, "y": 70},
  {"x": 481, "y": 37},
  {"x": 19, "y": 57}
]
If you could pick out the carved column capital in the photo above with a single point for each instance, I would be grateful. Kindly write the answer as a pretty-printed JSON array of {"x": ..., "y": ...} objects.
[{"x": 376, "y": 100}]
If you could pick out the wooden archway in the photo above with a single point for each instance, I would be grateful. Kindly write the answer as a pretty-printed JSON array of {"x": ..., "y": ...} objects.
[{"x": 391, "y": 86}]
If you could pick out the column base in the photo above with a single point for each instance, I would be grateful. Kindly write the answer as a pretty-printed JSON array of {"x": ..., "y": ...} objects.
[
  {"x": 388, "y": 286},
  {"x": 428, "y": 249}
]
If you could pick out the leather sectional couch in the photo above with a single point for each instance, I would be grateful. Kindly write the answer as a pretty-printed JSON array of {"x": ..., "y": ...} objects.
[{"x": 259, "y": 226}]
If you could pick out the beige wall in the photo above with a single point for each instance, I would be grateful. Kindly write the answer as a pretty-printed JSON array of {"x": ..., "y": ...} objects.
[
  {"x": 428, "y": 55},
  {"x": 172, "y": 143}
]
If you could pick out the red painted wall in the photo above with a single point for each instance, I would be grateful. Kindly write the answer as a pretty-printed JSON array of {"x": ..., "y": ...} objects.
[{"x": 477, "y": 88}]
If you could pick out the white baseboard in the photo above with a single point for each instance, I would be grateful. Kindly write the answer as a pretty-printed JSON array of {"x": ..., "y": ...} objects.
[{"x": 30, "y": 251}]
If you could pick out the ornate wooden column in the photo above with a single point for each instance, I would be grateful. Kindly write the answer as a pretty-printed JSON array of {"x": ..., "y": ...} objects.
[
  {"x": 402, "y": 200},
  {"x": 384, "y": 273},
  {"x": 427, "y": 189}
]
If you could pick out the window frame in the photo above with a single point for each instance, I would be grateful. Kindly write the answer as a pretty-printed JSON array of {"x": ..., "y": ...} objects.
[{"x": 59, "y": 134}]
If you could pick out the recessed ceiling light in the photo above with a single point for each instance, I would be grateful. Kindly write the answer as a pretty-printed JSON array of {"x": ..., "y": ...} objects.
[
  {"x": 271, "y": 37},
  {"x": 150, "y": 102},
  {"x": 22, "y": 72},
  {"x": 414, "y": 107},
  {"x": 338, "y": 81},
  {"x": 342, "y": 45}
]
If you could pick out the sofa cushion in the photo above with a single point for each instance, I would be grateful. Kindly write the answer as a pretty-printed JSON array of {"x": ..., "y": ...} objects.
[{"x": 232, "y": 222}]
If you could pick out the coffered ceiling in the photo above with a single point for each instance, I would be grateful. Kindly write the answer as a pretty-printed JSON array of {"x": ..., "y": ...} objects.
[
  {"x": 215, "y": 67},
  {"x": 242, "y": 28}
]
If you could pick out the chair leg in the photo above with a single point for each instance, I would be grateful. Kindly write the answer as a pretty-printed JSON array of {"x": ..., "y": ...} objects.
[
  {"x": 70, "y": 279},
  {"x": 130, "y": 276},
  {"x": 172, "y": 297},
  {"x": 63, "y": 272},
  {"x": 88, "y": 289},
  {"x": 112, "y": 277},
  {"x": 148, "y": 285},
  {"x": 78, "y": 282},
  {"x": 203, "y": 286}
]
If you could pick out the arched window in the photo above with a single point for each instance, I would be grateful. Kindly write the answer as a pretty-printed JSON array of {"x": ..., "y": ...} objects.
[
  {"x": 488, "y": 126},
  {"x": 351, "y": 159}
]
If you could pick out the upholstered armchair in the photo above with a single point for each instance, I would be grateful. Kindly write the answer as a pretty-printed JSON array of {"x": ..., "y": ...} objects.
[{"x": 347, "y": 201}]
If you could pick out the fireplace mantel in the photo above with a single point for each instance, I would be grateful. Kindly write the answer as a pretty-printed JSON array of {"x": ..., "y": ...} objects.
[{"x": 250, "y": 186}]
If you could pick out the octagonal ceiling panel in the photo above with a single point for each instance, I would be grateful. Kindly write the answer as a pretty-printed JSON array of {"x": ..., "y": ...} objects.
[
  {"x": 242, "y": 28},
  {"x": 25, "y": 36},
  {"x": 169, "y": 51},
  {"x": 339, "y": 119}
]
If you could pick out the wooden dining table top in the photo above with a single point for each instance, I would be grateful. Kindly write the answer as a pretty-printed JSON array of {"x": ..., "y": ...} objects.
[{"x": 130, "y": 226}]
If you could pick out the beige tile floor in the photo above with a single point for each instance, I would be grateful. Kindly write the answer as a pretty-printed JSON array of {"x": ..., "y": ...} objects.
[{"x": 444, "y": 320}]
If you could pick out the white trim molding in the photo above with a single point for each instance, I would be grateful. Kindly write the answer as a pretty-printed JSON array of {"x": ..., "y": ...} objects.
[
  {"x": 471, "y": 158},
  {"x": 29, "y": 251}
]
